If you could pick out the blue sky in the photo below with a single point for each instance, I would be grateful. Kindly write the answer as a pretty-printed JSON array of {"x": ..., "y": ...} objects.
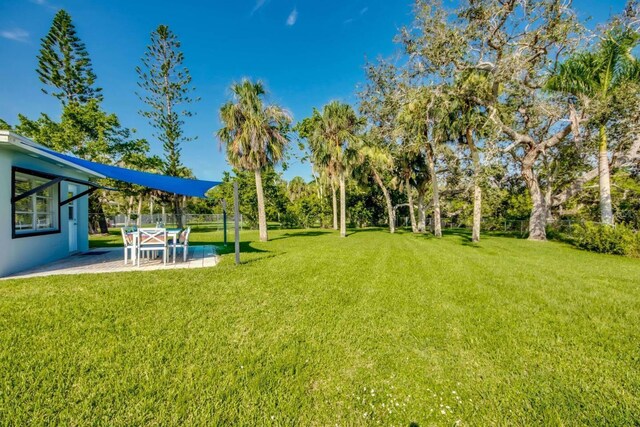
[{"x": 307, "y": 53}]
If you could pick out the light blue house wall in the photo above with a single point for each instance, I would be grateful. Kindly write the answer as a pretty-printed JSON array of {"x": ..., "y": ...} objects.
[{"x": 21, "y": 253}]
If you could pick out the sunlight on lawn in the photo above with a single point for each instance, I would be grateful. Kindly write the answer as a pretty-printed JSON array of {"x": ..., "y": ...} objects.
[{"x": 317, "y": 330}]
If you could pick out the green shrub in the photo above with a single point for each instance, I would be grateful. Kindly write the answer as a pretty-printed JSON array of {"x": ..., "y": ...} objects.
[{"x": 618, "y": 240}]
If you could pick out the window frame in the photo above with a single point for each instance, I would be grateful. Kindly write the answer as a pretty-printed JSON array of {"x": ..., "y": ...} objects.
[{"x": 17, "y": 234}]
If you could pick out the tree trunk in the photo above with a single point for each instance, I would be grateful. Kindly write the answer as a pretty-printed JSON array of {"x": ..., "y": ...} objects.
[
  {"x": 343, "y": 206},
  {"x": 262, "y": 216},
  {"x": 387, "y": 198},
  {"x": 422, "y": 217},
  {"x": 334, "y": 205},
  {"x": 139, "y": 212},
  {"x": 412, "y": 214},
  {"x": 477, "y": 212},
  {"x": 97, "y": 219},
  {"x": 437, "y": 221},
  {"x": 183, "y": 208},
  {"x": 177, "y": 209},
  {"x": 129, "y": 210},
  {"x": 477, "y": 191},
  {"x": 548, "y": 194},
  {"x": 538, "y": 218},
  {"x": 606, "y": 211}
]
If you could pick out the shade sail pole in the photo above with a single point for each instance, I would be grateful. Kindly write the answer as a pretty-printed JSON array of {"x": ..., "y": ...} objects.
[
  {"x": 224, "y": 220},
  {"x": 236, "y": 214}
]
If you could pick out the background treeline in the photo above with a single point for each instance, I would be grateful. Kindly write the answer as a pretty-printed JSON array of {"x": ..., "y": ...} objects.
[{"x": 491, "y": 114}]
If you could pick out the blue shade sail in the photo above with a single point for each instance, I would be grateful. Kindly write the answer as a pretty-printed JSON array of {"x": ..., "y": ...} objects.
[{"x": 170, "y": 184}]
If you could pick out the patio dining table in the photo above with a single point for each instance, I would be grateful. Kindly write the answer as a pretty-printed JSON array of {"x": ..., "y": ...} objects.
[{"x": 172, "y": 233}]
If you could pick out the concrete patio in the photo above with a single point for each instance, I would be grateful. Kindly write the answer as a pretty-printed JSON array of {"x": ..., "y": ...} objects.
[{"x": 111, "y": 260}]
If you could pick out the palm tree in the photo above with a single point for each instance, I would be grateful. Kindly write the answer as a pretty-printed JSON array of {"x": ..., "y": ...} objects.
[
  {"x": 296, "y": 188},
  {"x": 333, "y": 135},
  {"x": 320, "y": 156},
  {"x": 406, "y": 162},
  {"x": 255, "y": 135},
  {"x": 594, "y": 77},
  {"x": 377, "y": 158}
]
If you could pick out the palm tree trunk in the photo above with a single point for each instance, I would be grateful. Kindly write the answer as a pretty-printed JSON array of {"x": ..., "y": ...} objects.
[
  {"x": 412, "y": 214},
  {"x": 606, "y": 211},
  {"x": 477, "y": 191},
  {"x": 343, "y": 206},
  {"x": 262, "y": 216},
  {"x": 387, "y": 198},
  {"x": 422, "y": 217},
  {"x": 437, "y": 221},
  {"x": 334, "y": 205}
]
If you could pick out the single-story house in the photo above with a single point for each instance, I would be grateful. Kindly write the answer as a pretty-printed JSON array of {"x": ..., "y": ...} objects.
[
  {"x": 44, "y": 206},
  {"x": 44, "y": 209}
]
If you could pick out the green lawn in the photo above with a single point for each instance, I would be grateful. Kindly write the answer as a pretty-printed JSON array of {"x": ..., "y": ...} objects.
[{"x": 317, "y": 330}]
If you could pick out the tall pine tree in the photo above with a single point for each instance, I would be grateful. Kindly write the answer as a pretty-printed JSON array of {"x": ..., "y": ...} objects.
[
  {"x": 166, "y": 85},
  {"x": 64, "y": 63}
]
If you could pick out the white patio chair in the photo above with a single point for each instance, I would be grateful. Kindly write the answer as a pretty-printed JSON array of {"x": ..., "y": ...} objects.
[
  {"x": 182, "y": 242},
  {"x": 129, "y": 240},
  {"x": 152, "y": 240}
]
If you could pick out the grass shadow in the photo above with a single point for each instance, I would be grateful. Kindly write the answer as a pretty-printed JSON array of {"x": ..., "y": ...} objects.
[
  {"x": 308, "y": 233},
  {"x": 253, "y": 260},
  {"x": 229, "y": 248}
]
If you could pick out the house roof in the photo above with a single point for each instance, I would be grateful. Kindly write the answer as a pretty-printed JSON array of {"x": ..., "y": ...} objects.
[{"x": 20, "y": 143}]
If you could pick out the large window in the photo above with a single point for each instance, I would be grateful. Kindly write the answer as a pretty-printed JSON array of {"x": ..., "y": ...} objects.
[{"x": 37, "y": 213}]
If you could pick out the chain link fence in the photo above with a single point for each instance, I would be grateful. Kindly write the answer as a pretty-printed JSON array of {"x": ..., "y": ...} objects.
[
  {"x": 518, "y": 227},
  {"x": 146, "y": 220}
]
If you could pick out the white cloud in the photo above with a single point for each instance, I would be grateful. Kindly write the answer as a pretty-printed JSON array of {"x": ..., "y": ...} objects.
[
  {"x": 258, "y": 6},
  {"x": 44, "y": 3},
  {"x": 352, "y": 19},
  {"x": 293, "y": 17},
  {"x": 18, "y": 35}
]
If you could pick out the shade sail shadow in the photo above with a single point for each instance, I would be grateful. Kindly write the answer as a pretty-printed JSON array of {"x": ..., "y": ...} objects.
[
  {"x": 229, "y": 248},
  {"x": 260, "y": 258}
]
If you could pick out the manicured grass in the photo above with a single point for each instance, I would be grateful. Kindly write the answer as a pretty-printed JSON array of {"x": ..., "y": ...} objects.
[{"x": 317, "y": 330}]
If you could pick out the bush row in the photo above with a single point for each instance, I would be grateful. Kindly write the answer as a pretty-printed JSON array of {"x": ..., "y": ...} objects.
[{"x": 618, "y": 240}]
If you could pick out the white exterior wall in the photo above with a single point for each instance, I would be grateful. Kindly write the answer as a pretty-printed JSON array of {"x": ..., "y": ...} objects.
[{"x": 30, "y": 251}]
